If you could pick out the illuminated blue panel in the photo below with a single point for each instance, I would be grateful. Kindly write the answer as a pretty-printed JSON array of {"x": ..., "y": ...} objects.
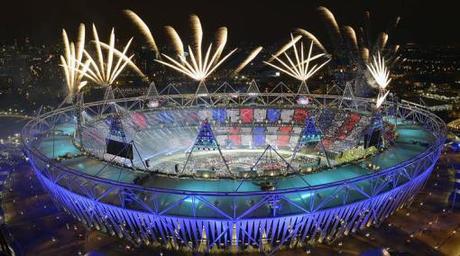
[
  {"x": 273, "y": 114},
  {"x": 258, "y": 138},
  {"x": 165, "y": 117},
  {"x": 219, "y": 115},
  {"x": 116, "y": 127}
]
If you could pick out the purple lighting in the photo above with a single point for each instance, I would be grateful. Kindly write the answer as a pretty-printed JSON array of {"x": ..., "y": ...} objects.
[{"x": 218, "y": 217}]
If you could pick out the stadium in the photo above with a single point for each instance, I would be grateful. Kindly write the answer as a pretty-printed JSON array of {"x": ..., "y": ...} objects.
[{"x": 233, "y": 171}]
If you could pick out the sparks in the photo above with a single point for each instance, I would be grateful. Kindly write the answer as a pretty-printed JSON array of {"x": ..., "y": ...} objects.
[
  {"x": 358, "y": 39},
  {"x": 71, "y": 62},
  {"x": 379, "y": 71},
  {"x": 144, "y": 30},
  {"x": 197, "y": 66},
  {"x": 351, "y": 35},
  {"x": 381, "y": 75},
  {"x": 285, "y": 47},
  {"x": 300, "y": 68},
  {"x": 248, "y": 59},
  {"x": 175, "y": 39},
  {"x": 331, "y": 22},
  {"x": 102, "y": 71},
  {"x": 380, "y": 99},
  {"x": 312, "y": 37}
]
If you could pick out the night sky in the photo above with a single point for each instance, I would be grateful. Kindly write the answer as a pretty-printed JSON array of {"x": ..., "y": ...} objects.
[{"x": 257, "y": 21}]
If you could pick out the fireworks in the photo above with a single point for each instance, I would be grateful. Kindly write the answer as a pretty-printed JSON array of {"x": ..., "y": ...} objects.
[
  {"x": 105, "y": 70},
  {"x": 144, "y": 30},
  {"x": 176, "y": 41},
  {"x": 331, "y": 23},
  {"x": 221, "y": 40},
  {"x": 312, "y": 37},
  {"x": 72, "y": 65},
  {"x": 351, "y": 34},
  {"x": 380, "y": 99},
  {"x": 299, "y": 66},
  {"x": 285, "y": 47},
  {"x": 248, "y": 59},
  {"x": 197, "y": 66},
  {"x": 381, "y": 75},
  {"x": 357, "y": 41},
  {"x": 379, "y": 71}
]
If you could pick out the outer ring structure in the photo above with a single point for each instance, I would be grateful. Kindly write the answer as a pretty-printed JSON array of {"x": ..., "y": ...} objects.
[{"x": 141, "y": 215}]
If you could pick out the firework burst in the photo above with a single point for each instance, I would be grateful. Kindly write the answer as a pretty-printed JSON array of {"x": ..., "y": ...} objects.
[
  {"x": 354, "y": 44},
  {"x": 379, "y": 71},
  {"x": 71, "y": 62},
  {"x": 381, "y": 75},
  {"x": 197, "y": 64},
  {"x": 380, "y": 99},
  {"x": 248, "y": 59},
  {"x": 144, "y": 29},
  {"x": 104, "y": 70},
  {"x": 298, "y": 65}
]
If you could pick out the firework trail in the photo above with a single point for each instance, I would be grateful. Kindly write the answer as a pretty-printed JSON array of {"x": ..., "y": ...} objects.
[
  {"x": 312, "y": 37},
  {"x": 197, "y": 64},
  {"x": 221, "y": 40},
  {"x": 197, "y": 32},
  {"x": 285, "y": 47},
  {"x": 298, "y": 65},
  {"x": 105, "y": 70},
  {"x": 144, "y": 29},
  {"x": 248, "y": 59},
  {"x": 175, "y": 39},
  {"x": 70, "y": 62}
]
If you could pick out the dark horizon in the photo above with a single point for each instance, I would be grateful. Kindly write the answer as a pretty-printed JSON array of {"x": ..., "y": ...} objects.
[{"x": 423, "y": 22}]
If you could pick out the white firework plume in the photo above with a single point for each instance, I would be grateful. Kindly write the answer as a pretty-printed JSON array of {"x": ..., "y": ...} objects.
[
  {"x": 381, "y": 75},
  {"x": 144, "y": 30},
  {"x": 197, "y": 64},
  {"x": 104, "y": 70},
  {"x": 379, "y": 71},
  {"x": 312, "y": 37},
  {"x": 298, "y": 66},
  {"x": 380, "y": 99},
  {"x": 252, "y": 55},
  {"x": 175, "y": 39},
  {"x": 286, "y": 46},
  {"x": 358, "y": 40},
  {"x": 71, "y": 62}
]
